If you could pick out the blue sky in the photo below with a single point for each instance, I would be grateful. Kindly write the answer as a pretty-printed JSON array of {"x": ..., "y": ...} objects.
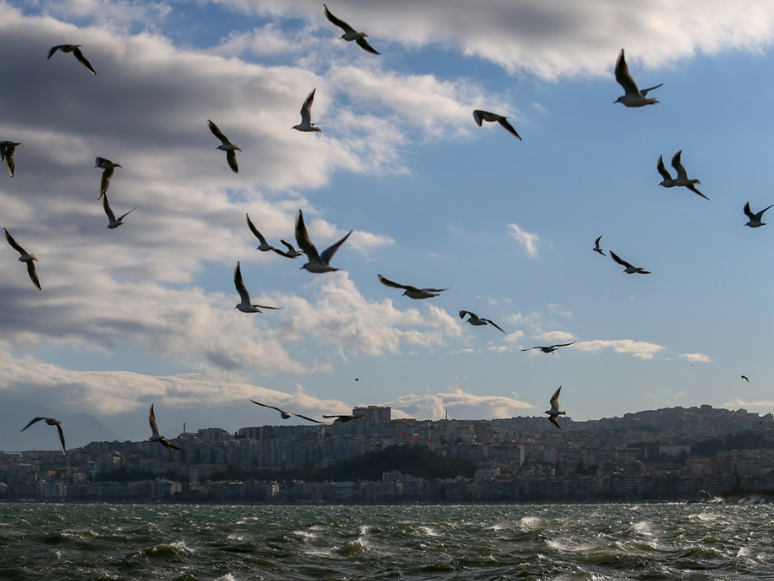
[{"x": 145, "y": 313}]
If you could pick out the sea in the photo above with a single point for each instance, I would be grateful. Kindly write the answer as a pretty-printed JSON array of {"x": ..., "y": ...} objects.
[{"x": 462, "y": 542}]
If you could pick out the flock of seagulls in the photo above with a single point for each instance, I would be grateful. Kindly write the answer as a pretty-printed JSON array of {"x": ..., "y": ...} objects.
[{"x": 318, "y": 263}]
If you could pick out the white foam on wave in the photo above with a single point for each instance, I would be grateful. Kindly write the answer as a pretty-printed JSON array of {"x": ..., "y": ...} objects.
[
  {"x": 530, "y": 523},
  {"x": 644, "y": 528},
  {"x": 427, "y": 531},
  {"x": 226, "y": 577}
]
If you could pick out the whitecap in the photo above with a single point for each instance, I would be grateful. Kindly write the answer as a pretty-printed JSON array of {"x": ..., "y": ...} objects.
[{"x": 529, "y": 523}]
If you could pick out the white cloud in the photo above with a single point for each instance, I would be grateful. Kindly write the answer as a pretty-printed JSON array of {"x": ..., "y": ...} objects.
[
  {"x": 527, "y": 240},
  {"x": 738, "y": 403},
  {"x": 641, "y": 349},
  {"x": 699, "y": 357},
  {"x": 459, "y": 405}
]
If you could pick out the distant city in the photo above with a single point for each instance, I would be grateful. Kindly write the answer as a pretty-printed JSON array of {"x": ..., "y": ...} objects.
[{"x": 690, "y": 454}]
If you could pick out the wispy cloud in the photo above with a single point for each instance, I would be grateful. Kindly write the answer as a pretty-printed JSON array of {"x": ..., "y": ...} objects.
[
  {"x": 698, "y": 357},
  {"x": 740, "y": 403},
  {"x": 458, "y": 403},
  {"x": 526, "y": 239},
  {"x": 641, "y": 349}
]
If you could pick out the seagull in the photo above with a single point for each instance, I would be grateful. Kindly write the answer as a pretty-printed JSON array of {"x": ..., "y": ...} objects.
[
  {"x": 306, "y": 124},
  {"x": 755, "y": 219},
  {"x": 477, "y": 321},
  {"x": 629, "y": 268},
  {"x": 413, "y": 292},
  {"x": 291, "y": 253},
  {"x": 25, "y": 257},
  {"x": 745, "y": 378},
  {"x": 156, "y": 437},
  {"x": 286, "y": 415},
  {"x": 245, "y": 305},
  {"x": 227, "y": 146},
  {"x": 554, "y": 412},
  {"x": 7, "y": 151},
  {"x": 682, "y": 176},
  {"x": 114, "y": 222},
  {"x": 549, "y": 348},
  {"x": 344, "y": 417},
  {"x": 597, "y": 247},
  {"x": 265, "y": 246},
  {"x": 318, "y": 263},
  {"x": 480, "y": 116},
  {"x": 633, "y": 97},
  {"x": 109, "y": 168},
  {"x": 73, "y": 48},
  {"x": 50, "y": 422},
  {"x": 349, "y": 32}
]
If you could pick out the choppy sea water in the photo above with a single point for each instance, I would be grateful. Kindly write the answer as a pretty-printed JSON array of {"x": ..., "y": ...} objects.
[{"x": 236, "y": 543}]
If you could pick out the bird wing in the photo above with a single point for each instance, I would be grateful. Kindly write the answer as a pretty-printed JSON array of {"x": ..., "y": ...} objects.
[
  {"x": 32, "y": 421},
  {"x": 281, "y": 252},
  {"x": 82, "y": 59},
  {"x": 218, "y": 133},
  {"x": 104, "y": 184},
  {"x": 363, "y": 43},
  {"x": 53, "y": 49},
  {"x": 9, "y": 159},
  {"x": 620, "y": 261},
  {"x": 554, "y": 401},
  {"x": 623, "y": 77},
  {"x": 308, "y": 419},
  {"x": 303, "y": 240},
  {"x": 681, "y": 173},
  {"x": 108, "y": 210},
  {"x": 33, "y": 273},
  {"x": 125, "y": 215},
  {"x": 240, "y": 285},
  {"x": 531, "y": 348},
  {"x": 13, "y": 243},
  {"x": 432, "y": 290},
  {"x": 663, "y": 170},
  {"x": 504, "y": 122},
  {"x": 747, "y": 212},
  {"x": 288, "y": 245},
  {"x": 644, "y": 92},
  {"x": 745, "y": 378},
  {"x": 695, "y": 191},
  {"x": 254, "y": 230},
  {"x": 268, "y": 406},
  {"x": 553, "y": 419},
  {"x": 167, "y": 444},
  {"x": 489, "y": 321},
  {"x": 306, "y": 108},
  {"x": 388, "y": 282},
  {"x": 563, "y": 345},
  {"x": 61, "y": 437},
  {"x": 337, "y": 21},
  {"x": 462, "y": 313},
  {"x": 152, "y": 420},
  {"x": 760, "y": 214},
  {"x": 232, "y": 160},
  {"x": 328, "y": 253},
  {"x": 478, "y": 115}
]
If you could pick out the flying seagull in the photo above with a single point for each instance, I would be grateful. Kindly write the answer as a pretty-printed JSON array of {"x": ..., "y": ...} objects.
[
  {"x": 7, "y": 152},
  {"x": 306, "y": 124},
  {"x": 25, "y": 257},
  {"x": 291, "y": 253},
  {"x": 554, "y": 412},
  {"x": 629, "y": 268},
  {"x": 318, "y": 263},
  {"x": 114, "y": 222},
  {"x": 156, "y": 437},
  {"x": 477, "y": 321},
  {"x": 227, "y": 146},
  {"x": 285, "y": 415},
  {"x": 745, "y": 378},
  {"x": 549, "y": 348},
  {"x": 344, "y": 417},
  {"x": 245, "y": 306},
  {"x": 109, "y": 168},
  {"x": 597, "y": 248},
  {"x": 73, "y": 48},
  {"x": 50, "y": 422},
  {"x": 411, "y": 291},
  {"x": 633, "y": 97},
  {"x": 264, "y": 246},
  {"x": 682, "y": 176},
  {"x": 480, "y": 116},
  {"x": 349, "y": 32},
  {"x": 755, "y": 219}
]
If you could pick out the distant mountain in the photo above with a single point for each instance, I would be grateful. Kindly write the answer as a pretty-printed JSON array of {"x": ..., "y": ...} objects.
[{"x": 79, "y": 429}]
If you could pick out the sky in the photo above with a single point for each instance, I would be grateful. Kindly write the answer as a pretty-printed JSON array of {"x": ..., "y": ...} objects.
[{"x": 145, "y": 313}]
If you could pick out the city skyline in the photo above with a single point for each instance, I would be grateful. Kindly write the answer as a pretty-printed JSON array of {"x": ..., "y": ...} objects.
[{"x": 145, "y": 313}]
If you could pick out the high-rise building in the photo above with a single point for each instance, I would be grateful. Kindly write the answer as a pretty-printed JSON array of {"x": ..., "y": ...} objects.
[{"x": 374, "y": 413}]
